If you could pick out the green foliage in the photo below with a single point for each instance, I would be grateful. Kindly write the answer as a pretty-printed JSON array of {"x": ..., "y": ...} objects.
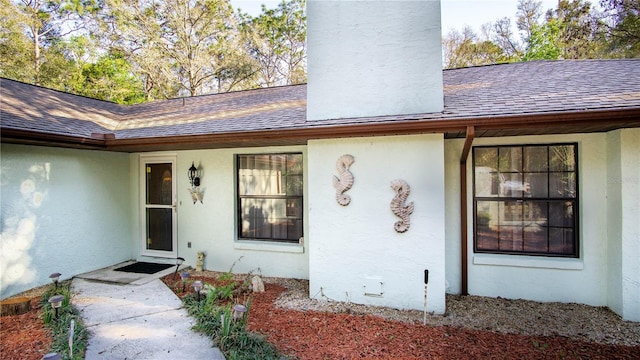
[
  {"x": 179, "y": 47},
  {"x": 572, "y": 30},
  {"x": 465, "y": 49},
  {"x": 276, "y": 41},
  {"x": 60, "y": 326},
  {"x": 540, "y": 346},
  {"x": 214, "y": 318},
  {"x": 110, "y": 78},
  {"x": 544, "y": 42},
  {"x": 621, "y": 27}
]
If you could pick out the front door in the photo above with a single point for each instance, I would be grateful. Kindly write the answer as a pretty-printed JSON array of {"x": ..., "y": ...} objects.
[{"x": 158, "y": 210}]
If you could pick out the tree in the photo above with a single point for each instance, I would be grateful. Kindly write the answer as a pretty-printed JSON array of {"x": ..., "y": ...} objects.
[
  {"x": 544, "y": 42},
  {"x": 110, "y": 78},
  {"x": 577, "y": 29},
  {"x": 621, "y": 24},
  {"x": 503, "y": 37},
  {"x": 48, "y": 21},
  {"x": 14, "y": 44},
  {"x": 528, "y": 15},
  {"x": 568, "y": 32},
  {"x": 465, "y": 49},
  {"x": 179, "y": 47},
  {"x": 276, "y": 40}
]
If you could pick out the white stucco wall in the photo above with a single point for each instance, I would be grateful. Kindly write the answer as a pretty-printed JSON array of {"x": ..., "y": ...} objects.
[
  {"x": 614, "y": 223},
  {"x": 582, "y": 280},
  {"x": 368, "y": 58},
  {"x": 630, "y": 232},
  {"x": 211, "y": 226},
  {"x": 356, "y": 245},
  {"x": 63, "y": 211}
]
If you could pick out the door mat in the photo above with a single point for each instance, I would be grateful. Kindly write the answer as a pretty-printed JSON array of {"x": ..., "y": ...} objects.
[{"x": 144, "y": 268}]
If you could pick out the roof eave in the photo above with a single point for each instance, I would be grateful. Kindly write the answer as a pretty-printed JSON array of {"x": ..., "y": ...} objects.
[
  {"x": 599, "y": 120},
  {"x": 518, "y": 124}
]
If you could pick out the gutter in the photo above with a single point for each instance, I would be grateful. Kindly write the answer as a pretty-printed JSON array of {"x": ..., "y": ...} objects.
[
  {"x": 470, "y": 134},
  {"x": 504, "y": 125},
  {"x": 27, "y": 137}
]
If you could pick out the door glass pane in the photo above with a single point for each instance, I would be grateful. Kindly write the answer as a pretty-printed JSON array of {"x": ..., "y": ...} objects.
[
  {"x": 159, "y": 229},
  {"x": 158, "y": 184}
]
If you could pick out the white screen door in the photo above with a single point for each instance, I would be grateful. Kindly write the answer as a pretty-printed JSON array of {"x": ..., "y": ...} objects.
[{"x": 158, "y": 211}]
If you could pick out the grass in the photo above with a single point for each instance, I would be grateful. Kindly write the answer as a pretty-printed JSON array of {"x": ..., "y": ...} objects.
[
  {"x": 60, "y": 325},
  {"x": 214, "y": 318}
]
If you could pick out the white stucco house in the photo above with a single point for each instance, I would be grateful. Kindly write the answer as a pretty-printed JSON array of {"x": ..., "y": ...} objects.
[{"x": 518, "y": 180}]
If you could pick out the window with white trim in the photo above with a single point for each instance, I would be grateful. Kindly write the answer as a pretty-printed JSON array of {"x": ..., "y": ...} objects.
[
  {"x": 526, "y": 199},
  {"x": 270, "y": 197}
]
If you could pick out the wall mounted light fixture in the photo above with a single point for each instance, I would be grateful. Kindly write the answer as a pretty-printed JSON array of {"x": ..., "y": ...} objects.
[{"x": 194, "y": 175}]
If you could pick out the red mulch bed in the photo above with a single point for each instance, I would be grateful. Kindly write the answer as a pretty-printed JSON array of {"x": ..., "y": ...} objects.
[
  {"x": 24, "y": 337},
  {"x": 318, "y": 335}
]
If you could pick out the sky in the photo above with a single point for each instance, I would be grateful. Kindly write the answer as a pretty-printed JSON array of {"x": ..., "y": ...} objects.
[{"x": 456, "y": 14}]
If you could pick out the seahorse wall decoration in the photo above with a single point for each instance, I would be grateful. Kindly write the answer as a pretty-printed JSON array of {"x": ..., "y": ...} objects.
[
  {"x": 398, "y": 206},
  {"x": 344, "y": 180}
]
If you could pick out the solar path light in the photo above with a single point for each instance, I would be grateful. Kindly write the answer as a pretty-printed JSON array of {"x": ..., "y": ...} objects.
[
  {"x": 55, "y": 277},
  {"x": 56, "y": 303}
]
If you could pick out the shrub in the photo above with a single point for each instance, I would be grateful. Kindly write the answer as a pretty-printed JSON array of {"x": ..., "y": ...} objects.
[
  {"x": 60, "y": 326},
  {"x": 214, "y": 318}
]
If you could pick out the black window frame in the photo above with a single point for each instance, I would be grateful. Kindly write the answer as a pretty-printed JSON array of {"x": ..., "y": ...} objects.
[
  {"x": 527, "y": 202},
  {"x": 292, "y": 214}
]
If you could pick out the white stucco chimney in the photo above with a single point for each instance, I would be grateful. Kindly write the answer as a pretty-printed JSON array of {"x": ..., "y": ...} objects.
[{"x": 371, "y": 58}]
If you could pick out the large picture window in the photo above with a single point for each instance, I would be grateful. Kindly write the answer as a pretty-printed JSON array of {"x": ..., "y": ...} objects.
[
  {"x": 525, "y": 199},
  {"x": 270, "y": 197}
]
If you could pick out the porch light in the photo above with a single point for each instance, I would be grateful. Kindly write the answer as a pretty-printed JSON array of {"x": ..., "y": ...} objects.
[
  {"x": 179, "y": 261},
  {"x": 55, "y": 277},
  {"x": 56, "y": 302},
  {"x": 197, "y": 286},
  {"x": 184, "y": 276},
  {"x": 194, "y": 175},
  {"x": 238, "y": 311}
]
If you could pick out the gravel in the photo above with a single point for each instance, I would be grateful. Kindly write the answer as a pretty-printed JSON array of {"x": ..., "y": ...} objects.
[{"x": 576, "y": 321}]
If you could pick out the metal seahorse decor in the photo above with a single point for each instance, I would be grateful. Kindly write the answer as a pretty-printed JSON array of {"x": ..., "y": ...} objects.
[
  {"x": 398, "y": 206},
  {"x": 345, "y": 180}
]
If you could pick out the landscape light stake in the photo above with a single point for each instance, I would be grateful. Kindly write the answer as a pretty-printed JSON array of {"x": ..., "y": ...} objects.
[
  {"x": 179, "y": 261},
  {"x": 197, "y": 285},
  {"x": 55, "y": 277},
  {"x": 426, "y": 281},
  {"x": 238, "y": 311},
  {"x": 52, "y": 356},
  {"x": 56, "y": 302},
  {"x": 184, "y": 276}
]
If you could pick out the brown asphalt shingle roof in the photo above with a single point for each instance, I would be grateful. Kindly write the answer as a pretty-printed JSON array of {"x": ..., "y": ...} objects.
[{"x": 496, "y": 91}]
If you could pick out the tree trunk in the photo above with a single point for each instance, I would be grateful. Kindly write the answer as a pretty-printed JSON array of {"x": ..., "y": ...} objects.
[{"x": 15, "y": 306}]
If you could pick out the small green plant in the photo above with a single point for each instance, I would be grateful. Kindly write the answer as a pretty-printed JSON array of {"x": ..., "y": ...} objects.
[
  {"x": 214, "y": 318},
  {"x": 60, "y": 325},
  {"x": 540, "y": 346}
]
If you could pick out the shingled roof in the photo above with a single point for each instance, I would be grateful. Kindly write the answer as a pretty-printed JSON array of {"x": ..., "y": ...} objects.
[{"x": 541, "y": 97}]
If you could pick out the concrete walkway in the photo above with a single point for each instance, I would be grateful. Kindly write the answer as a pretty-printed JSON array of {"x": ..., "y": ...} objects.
[{"x": 143, "y": 321}]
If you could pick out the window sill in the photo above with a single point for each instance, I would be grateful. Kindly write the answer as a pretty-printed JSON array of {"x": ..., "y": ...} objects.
[
  {"x": 268, "y": 246},
  {"x": 528, "y": 261}
]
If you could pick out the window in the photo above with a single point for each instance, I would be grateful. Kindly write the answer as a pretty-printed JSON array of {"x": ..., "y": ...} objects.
[
  {"x": 270, "y": 198},
  {"x": 525, "y": 199}
]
